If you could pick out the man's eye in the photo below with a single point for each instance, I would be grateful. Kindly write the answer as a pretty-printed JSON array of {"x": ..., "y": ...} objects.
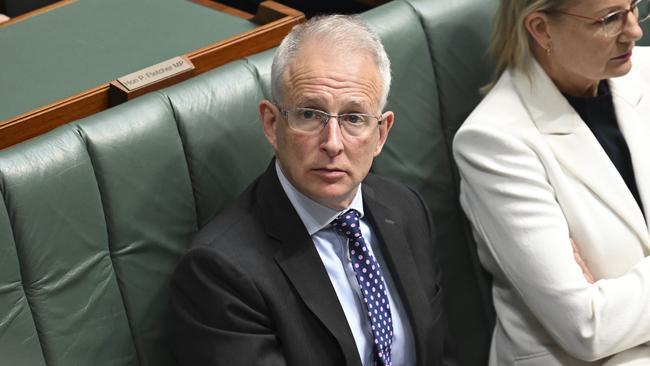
[
  {"x": 308, "y": 114},
  {"x": 354, "y": 118}
]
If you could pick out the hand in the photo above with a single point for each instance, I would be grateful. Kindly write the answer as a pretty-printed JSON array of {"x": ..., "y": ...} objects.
[{"x": 581, "y": 263}]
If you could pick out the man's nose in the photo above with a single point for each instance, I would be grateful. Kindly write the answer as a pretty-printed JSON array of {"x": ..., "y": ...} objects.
[{"x": 332, "y": 136}]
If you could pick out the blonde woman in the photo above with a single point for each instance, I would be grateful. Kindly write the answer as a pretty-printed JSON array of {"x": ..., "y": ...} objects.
[{"x": 555, "y": 176}]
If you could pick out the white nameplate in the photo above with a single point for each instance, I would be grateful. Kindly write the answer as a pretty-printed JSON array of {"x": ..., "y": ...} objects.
[{"x": 155, "y": 73}]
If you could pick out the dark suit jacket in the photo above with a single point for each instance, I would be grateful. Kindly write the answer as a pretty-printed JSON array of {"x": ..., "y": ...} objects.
[{"x": 252, "y": 290}]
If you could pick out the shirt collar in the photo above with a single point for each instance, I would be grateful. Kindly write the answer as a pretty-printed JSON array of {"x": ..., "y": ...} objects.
[{"x": 314, "y": 216}]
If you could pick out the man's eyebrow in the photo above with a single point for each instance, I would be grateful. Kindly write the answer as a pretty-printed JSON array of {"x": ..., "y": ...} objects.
[
  {"x": 308, "y": 102},
  {"x": 356, "y": 105}
]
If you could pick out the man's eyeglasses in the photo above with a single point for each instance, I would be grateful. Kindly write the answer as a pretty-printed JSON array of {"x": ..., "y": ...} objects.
[
  {"x": 311, "y": 120},
  {"x": 614, "y": 22}
]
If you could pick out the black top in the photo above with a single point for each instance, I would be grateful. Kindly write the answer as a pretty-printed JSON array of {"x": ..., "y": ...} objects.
[{"x": 598, "y": 113}]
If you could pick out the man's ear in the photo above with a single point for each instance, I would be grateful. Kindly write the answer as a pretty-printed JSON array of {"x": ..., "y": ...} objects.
[
  {"x": 269, "y": 115},
  {"x": 537, "y": 25},
  {"x": 384, "y": 129}
]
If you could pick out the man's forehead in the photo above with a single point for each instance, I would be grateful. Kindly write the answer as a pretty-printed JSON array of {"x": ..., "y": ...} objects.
[
  {"x": 331, "y": 68},
  {"x": 328, "y": 49},
  {"x": 314, "y": 61},
  {"x": 316, "y": 87}
]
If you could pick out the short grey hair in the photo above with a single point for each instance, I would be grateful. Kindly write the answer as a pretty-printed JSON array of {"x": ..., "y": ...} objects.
[{"x": 345, "y": 31}]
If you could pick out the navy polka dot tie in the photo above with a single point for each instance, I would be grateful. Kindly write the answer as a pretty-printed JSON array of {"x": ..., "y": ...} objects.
[{"x": 371, "y": 282}]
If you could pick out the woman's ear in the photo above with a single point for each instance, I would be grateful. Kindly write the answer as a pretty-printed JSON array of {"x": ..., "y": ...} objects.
[{"x": 537, "y": 25}]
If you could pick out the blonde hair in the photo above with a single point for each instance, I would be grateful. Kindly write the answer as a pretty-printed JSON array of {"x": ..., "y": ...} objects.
[{"x": 510, "y": 45}]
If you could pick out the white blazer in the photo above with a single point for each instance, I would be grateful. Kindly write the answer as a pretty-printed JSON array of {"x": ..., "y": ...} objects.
[{"x": 533, "y": 177}]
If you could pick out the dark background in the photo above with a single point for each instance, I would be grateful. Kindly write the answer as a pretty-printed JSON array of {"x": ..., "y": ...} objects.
[
  {"x": 309, "y": 7},
  {"x": 13, "y": 8}
]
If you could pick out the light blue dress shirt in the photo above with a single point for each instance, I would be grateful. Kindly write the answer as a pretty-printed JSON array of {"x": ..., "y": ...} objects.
[{"x": 333, "y": 251}]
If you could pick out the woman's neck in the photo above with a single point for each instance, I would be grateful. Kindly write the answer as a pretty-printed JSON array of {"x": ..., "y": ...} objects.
[{"x": 571, "y": 84}]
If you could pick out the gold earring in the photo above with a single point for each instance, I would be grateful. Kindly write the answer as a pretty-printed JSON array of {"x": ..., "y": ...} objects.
[{"x": 548, "y": 50}]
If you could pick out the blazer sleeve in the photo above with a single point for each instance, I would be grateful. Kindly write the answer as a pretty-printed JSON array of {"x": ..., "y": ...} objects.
[
  {"x": 449, "y": 355},
  {"x": 507, "y": 196},
  {"x": 218, "y": 317}
]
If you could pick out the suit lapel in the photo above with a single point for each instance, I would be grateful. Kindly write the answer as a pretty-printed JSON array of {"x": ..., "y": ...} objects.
[
  {"x": 399, "y": 258},
  {"x": 576, "y": 148},
  {"x": 300, "y": 262},
  {"x": 631, "y": 102}
]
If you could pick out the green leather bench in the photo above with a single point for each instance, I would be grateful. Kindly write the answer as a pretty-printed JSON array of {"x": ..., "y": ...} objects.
[{"x": 95, "y": 214}]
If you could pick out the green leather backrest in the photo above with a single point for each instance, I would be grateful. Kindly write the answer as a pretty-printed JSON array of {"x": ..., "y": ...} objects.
[
  {"x": 458, "y": 34},
  {"x": 415, "y": 148},
  {"x": 61, "y": 240},
  {"x": 99, "y": 211},
  {"x": 143, "y": 179},
  {"x": 18, "y": 341},
  {"x": 221, "y": 132}
]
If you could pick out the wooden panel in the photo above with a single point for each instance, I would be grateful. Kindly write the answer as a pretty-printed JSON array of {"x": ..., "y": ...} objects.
[
  {"x": 47, "y": 118},
  {"x": 275, "y": 21}
]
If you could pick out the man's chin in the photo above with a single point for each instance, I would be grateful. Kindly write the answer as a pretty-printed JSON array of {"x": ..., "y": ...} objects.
[{"x": 333, "y": 196}]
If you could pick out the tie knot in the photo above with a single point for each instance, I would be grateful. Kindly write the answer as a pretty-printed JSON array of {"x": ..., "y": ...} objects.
[{"x": 348, "y": 223}]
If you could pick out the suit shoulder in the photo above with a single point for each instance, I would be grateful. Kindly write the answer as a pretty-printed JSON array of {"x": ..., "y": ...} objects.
[
  {"x": 391, "y": 192},
  {"x": 641, "y": 54},
  {"x": 384, "y": 184},
  {"x": 501, "y": 109},
  {"x": 641, "y": 63},
  {"x": 236, "y": 232}
]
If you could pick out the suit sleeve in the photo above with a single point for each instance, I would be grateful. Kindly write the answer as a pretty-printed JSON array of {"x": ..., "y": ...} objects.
[
  {"x": 507, "y": 196},
  {"x": 448, "y": 347},
  {"x": 218, "y": 317}
]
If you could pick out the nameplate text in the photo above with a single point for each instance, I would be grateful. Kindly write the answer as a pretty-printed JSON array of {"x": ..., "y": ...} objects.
[{"x": 155, "y": 73}]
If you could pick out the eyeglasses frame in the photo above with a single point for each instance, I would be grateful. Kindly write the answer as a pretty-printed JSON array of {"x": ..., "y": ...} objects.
[
  {"x": 326, "y": 117},
  {"x": 603, "y": 20}
]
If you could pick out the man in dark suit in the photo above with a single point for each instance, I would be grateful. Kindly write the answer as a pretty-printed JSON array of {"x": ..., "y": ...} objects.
[{"x": 317, "y": 262}]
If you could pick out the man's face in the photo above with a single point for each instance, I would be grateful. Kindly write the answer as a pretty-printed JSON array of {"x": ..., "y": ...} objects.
[{"x": 327, "y": 165}]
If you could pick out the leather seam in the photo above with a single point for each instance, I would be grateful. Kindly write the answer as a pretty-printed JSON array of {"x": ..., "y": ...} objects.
[
  {"x": 37, "y": 326},
  {"x": 82, "y": 136},
  {"x": 183, "y": 141}
]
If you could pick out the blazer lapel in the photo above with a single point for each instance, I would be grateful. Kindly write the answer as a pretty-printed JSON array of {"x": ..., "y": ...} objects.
[
  {"x": 300, "y": 262},
  {"x": 576, "y": 148},
  {"x": 400, "y": 261},
  {"x": 631, "y": 102}
]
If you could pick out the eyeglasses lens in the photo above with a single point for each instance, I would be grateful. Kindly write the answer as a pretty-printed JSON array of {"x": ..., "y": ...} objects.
[
  {"x": 312, "y": 120},
  {"x": 615, "y": 23},
  {"x": 643, "y": 11}
]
